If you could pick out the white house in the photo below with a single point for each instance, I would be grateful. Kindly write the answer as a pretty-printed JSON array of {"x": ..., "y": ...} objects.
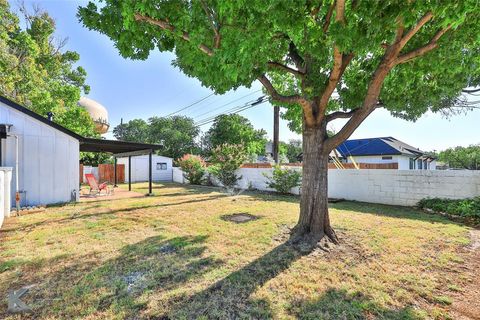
[
  {"x": 45, "y": 156},
  {"x": 161, "y": 168},
  {"x": 386, "y": 150}
]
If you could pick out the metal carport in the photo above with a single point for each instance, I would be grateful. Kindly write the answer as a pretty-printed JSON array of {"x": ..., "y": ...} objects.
[{"x": 122, "y": 149}]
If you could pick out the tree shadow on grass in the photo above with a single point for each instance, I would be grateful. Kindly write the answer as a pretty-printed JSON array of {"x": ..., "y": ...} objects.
[
  {"x": 230, "y": 298},
  {"x": 391, "y": 211},
  {"x": 121, "y": 286},
  {"x": 338, "y": 304},
  {"x": 104, "y": 212}
]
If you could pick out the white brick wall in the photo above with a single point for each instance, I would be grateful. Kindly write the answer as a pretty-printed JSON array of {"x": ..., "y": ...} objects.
[{"x": 395, "y": 187}]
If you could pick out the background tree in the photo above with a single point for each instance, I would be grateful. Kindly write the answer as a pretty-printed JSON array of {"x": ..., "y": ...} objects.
[
  {"x": 178, "y": 135},
  {"x": 37, "y": 73},
  {"x": 136, "y": 130},
  {"x": 462, "y": 157},
  {"x": 226, "y": 159},
  {"x": 235, "y": 129},
  {"x": 406, "y": 56},
  {"x": 294, "y": 149}
]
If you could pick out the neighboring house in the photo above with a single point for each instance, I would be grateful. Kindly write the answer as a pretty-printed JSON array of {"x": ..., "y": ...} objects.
[
  {"x": 45, "y": 156},
  {"x": 161, "y": 168},
  {"x": 386, "y": 150}
]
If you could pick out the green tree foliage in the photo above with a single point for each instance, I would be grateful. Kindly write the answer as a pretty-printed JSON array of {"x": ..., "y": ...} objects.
[
  {"x": 226, "y": 159},
  {"x": 136, "y": 130},
  {"x": 193, "y": 168},
  {"x": 283, "y": 179},
  {"x": 235, "y": 129},
  {"x": 294, "y": 149},
  {"x": 35, "y": 72},
  {"x": 321, "y": 60},
  {"x": 177, "y": 134},
  {"x": 462, "y": 157},
  {"x": 95, "y": 158}
]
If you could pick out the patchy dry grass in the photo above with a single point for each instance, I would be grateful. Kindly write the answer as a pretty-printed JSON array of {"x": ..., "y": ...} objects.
[{"x": 175, "y": 255}]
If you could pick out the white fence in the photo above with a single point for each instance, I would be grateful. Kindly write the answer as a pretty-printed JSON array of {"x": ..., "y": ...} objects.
[
  {"x": 5, "y": 182},
  {"x": 395, "y": 187}
]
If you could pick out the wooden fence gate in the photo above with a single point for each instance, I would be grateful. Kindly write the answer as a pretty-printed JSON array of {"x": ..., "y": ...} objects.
[{"x": 106, "y": 173}]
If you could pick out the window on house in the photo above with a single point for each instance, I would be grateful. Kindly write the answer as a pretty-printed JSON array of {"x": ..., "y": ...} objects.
[
  {"x": 387, "y": 158},
  {"x": 161, "y": 166},
  {"x": 425, "y": 164},
  {"x": 420, "y": 163},
  {"x": 412, "y": 164}
]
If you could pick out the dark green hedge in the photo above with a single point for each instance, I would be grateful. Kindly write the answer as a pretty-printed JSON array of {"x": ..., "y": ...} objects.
[{"x": 465, "y": 208}]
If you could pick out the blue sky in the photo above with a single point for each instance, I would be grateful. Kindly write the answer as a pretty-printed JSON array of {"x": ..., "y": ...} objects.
[{"x": 141, "y": 89}]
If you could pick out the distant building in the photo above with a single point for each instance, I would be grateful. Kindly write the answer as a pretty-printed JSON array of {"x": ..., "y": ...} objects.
[{"x": 386, "y": 150}]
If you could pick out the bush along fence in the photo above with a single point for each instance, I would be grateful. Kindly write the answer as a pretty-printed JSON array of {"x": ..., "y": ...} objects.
[
  {"x": 467, "y": 210},
  {"x": 394, "y": 187}
]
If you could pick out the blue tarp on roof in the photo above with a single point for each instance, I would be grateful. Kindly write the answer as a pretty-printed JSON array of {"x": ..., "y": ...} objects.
[{"x": 367, "y": 147}]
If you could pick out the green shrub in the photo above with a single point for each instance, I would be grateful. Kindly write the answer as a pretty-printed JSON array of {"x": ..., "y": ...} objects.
[
  {"x": 466, "y": 208},
  {"x": 284, "y": 179},
  {"x": 225, "y": 161},
  {"x": 193, "y": 168}
]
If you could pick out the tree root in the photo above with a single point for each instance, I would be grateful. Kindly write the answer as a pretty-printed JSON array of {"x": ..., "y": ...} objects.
[{"x": 308, "y": 241}]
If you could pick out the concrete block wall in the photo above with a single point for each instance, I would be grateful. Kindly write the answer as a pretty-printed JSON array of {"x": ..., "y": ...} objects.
[{"x": 394, "y": 187}]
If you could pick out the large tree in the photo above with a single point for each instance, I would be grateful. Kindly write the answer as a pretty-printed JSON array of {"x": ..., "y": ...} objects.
[
  {"x": 324, "y": 60},
  {"x": 462, "y": 157},
  {"x": 235, "y": 129},
  {"x": 35, "y": 70},
  {"x": 136, "y": 130},
  {"x": 176, "y": 133}
]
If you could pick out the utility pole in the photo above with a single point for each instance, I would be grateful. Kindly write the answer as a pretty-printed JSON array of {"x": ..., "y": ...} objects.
[{"x": 276, "y": 123}]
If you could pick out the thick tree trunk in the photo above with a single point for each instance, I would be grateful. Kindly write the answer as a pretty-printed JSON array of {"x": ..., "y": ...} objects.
[{"x": 314, "y": 222}]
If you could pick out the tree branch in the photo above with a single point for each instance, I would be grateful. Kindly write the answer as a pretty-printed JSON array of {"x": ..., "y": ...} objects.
[
  {"x": 211, "y": 18},
  {"x": 341, "y": 62},
  {"x": 340, "y": 115},
  {"x": 165, "y": 25},
  {"x": 328, "y": 17},
  {"x": 285, "y": 68},
  {"x": 273, "y": 93},
  {"x": 296, "y": 57},
  {"x": 423, "y": 20},
  {"x": 432, "y": 44}
]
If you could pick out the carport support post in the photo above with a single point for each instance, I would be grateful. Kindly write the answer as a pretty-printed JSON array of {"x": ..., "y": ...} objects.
[
  {"x": 129, "y": 173},
  {"x": 150, "y": 173},
  {"x": 114, "y": 172}
]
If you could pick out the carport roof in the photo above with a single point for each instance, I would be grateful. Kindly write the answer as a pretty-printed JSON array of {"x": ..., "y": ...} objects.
[{"x": 116, "y": 147}]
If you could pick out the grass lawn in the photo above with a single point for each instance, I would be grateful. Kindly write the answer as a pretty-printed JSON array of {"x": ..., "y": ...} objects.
[{"x": 176, "y": 255}]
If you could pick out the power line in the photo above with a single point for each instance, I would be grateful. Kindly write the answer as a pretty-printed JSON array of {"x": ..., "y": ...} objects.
[
  {"x": 228, "y": 111},
  {"x": 190, "y": 105},
  {"x": 234, "y": 110},
  {"x": 226, "y": 104}
]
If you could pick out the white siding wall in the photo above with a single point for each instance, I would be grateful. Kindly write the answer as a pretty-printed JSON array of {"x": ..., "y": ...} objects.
[
  {"x": 48, "y": 159},
  {"x": 140, "y": 168},
  {"x": 403, "y": 161},
  {"x": 395, "y": 187}
]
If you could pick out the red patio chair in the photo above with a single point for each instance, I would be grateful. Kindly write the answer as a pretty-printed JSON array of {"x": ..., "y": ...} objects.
[{"x": 96, "y": 188}]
